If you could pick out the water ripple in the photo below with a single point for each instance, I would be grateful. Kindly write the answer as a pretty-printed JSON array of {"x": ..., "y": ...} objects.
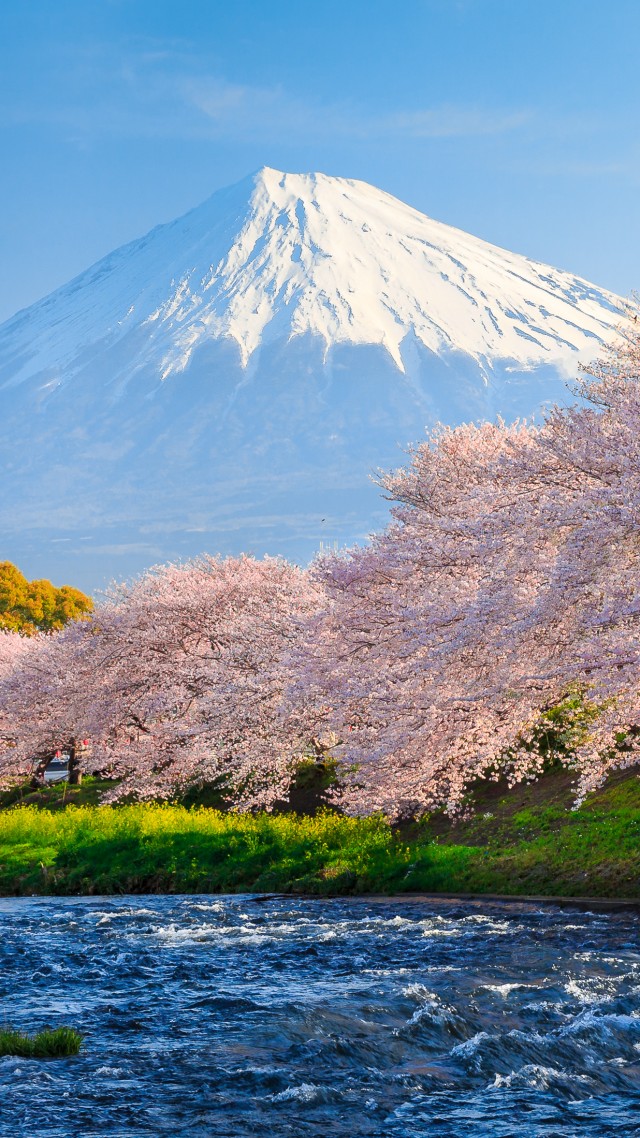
[{"x": 240, "y": 1016}]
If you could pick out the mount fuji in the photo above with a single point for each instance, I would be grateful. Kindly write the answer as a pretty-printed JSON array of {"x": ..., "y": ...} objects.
[{"x": 229, "y": 381}]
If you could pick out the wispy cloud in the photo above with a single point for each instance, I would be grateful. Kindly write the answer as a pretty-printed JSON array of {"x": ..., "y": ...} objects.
[
  {"x": 155, "y": 89},
  {"x": 232, "y": 108},
  {"x": 455, "y": 122}
]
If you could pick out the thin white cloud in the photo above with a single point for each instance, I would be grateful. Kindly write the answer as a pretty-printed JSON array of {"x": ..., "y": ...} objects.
[
  {"x": 455, "y": 122},
  {"x": 165, "y": 90},
  {"x": 235, "y": 109}
]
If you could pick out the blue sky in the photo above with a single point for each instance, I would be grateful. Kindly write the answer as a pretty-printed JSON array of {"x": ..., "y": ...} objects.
[{"x": 517, "y": 120}]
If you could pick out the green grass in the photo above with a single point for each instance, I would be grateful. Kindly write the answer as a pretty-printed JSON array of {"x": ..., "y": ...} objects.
[
  {"x": 52, "y": 1043},
  {"x": 168, "y": 848},
  {"x": 57, "y": 795},
  {"x": 525, "y": 840}
]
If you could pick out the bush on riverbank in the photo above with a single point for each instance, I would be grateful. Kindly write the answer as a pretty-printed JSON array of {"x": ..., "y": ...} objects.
[{"x": 526, "y": 840}]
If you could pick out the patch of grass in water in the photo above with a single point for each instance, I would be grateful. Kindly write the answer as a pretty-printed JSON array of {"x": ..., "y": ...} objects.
[{"x": 51, "y": 1043}]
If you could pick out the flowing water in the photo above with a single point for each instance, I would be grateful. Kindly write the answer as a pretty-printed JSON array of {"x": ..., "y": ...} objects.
[{"x": 243, "y": 1016}]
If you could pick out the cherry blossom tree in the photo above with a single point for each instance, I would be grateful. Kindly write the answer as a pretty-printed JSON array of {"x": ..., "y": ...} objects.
[
  {"x": 500, "y": 608},
  {"x": 13, "y": 650},
  {"x": 175, "y": 679},
  {"x": 506, "y": 583}
]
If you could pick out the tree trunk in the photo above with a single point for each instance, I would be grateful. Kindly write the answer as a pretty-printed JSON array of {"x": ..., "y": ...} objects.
[
  {"x": 37, "y": 778},
  {"x": 75, "y": 770}
]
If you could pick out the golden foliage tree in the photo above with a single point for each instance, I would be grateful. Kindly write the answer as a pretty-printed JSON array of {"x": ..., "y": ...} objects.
[{"x": 29, "y": 607}]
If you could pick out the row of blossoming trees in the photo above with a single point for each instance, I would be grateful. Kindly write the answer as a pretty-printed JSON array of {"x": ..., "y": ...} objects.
[{"x": 507, "y": 583}]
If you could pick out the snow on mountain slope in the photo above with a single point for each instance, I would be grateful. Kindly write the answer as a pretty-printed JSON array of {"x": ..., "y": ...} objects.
[
  {"x": 289, "y": 254},
  {"x": 236, "y": 374}
]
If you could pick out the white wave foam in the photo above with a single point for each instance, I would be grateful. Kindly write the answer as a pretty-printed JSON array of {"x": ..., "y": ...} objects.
[
  {"x": 589, "y": 1020},
  {"x": 539, "y": 1078},
  {"x": 306, "y": 1092},
  {"x": 505, "y": 989},
  {"x": 431, "y": 1008},
  {"x": 470, "y": 1046},
  {"x": 592, "y": 991}
]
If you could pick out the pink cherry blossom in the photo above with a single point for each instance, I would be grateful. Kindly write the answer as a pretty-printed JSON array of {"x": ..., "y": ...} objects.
[
  {"x": 506, "y": 582},
  {"x": 507, "y": 579},
  {"x": 175, "y": 679}
]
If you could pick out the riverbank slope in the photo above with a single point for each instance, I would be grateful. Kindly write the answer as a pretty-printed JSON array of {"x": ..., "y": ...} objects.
[{"x": 526, "y": 840}]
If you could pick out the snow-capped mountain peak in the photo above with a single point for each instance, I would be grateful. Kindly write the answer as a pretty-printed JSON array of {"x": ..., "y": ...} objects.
[
  {"x": 229, "y": 381},
  {"x": 285, "y": 255}
]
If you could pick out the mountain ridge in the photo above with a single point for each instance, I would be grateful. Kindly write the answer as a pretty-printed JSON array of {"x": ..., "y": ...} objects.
[
  {"x": 233, "y": 376},
  {"x": 225, "y": 281}
]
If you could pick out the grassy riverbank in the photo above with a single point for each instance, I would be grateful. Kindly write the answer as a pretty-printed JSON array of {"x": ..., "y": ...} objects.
[{"x": 526, "y": 840}]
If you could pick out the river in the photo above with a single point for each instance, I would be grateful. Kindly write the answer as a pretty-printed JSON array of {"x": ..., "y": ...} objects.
[{"x": 242, "y": 1016}]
